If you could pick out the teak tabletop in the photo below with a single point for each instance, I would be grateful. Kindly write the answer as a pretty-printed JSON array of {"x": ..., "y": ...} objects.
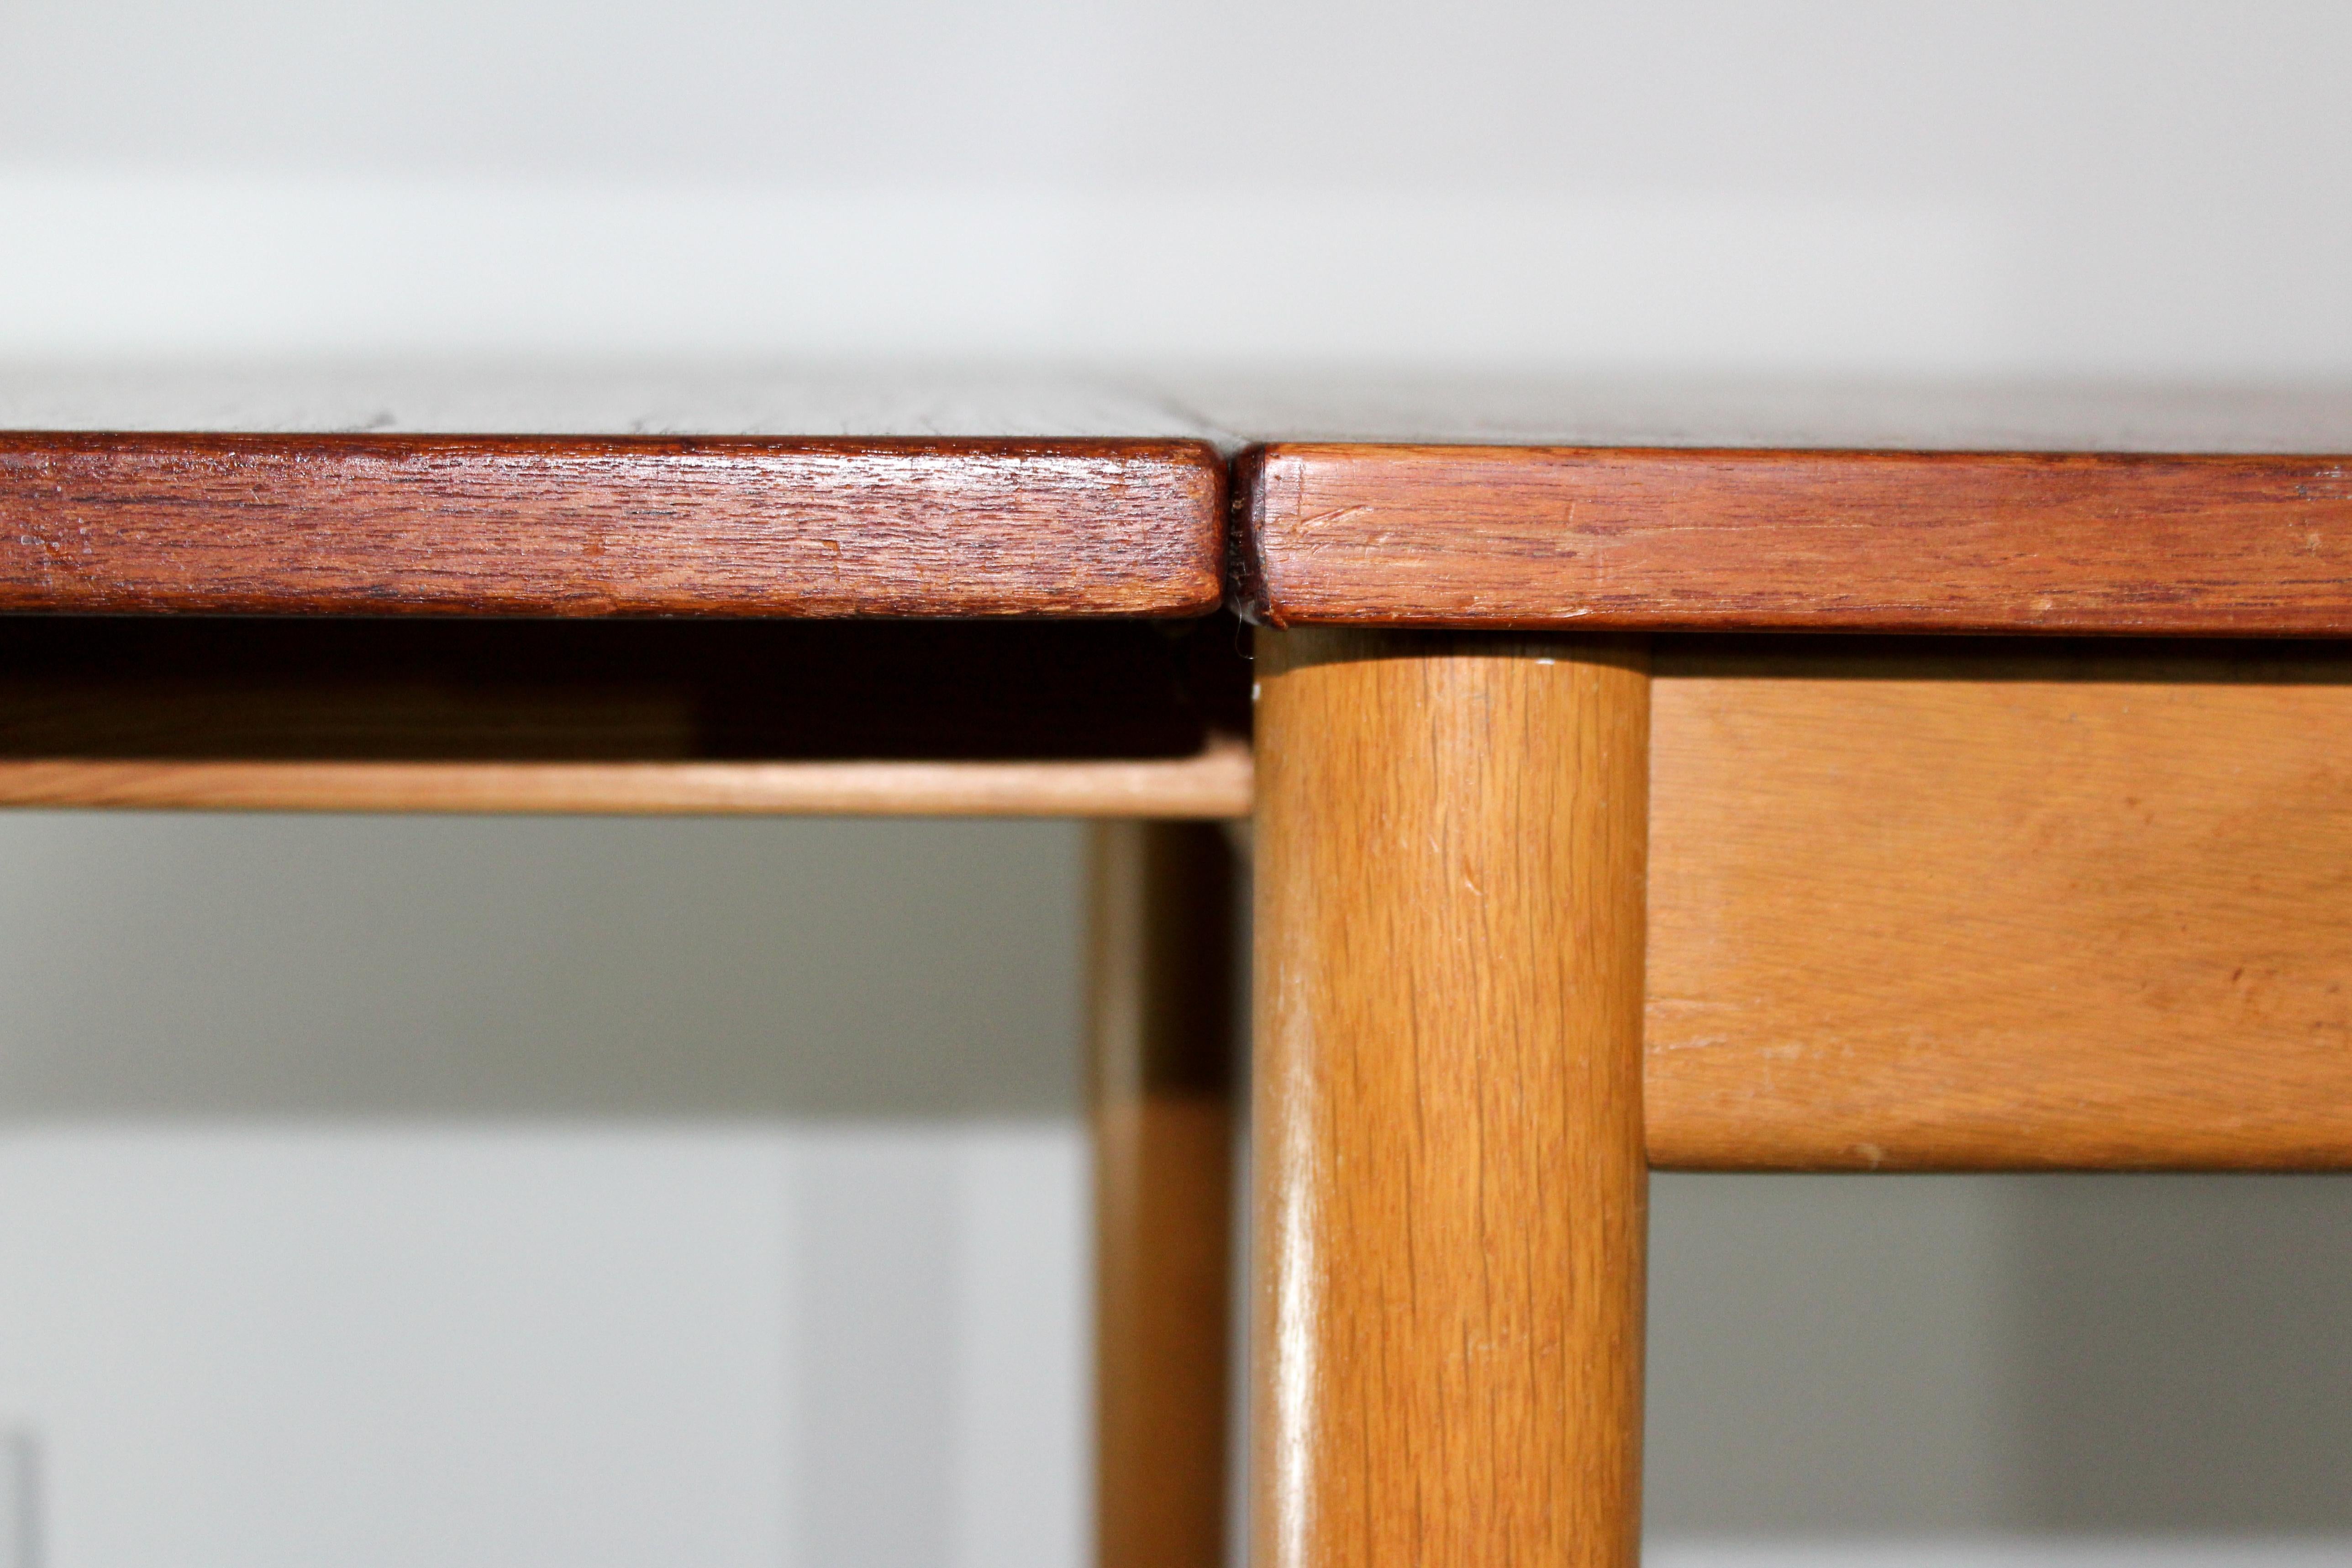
[
  {"x": 2033, "y": 511},
  {"x": 1722, "y": 778}
]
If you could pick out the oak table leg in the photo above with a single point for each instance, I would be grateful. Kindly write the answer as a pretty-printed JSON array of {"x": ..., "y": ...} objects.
[
  {"x": 1162, "y": 1023},
  {"x": 1450, "y": 1186}
]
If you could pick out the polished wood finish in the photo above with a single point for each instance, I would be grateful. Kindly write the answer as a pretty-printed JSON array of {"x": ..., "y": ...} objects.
[
  {"x": 1724, "y": 540},
  {"x": 478, "y": 525},
  {"x": 1932, "y": 906},
  {"x": 1161, "y": 1021},
  {"x": 1214, "y": 783},
  {"x": 1449, "y": 1204},
  {"x": 1922, "y": 905}
]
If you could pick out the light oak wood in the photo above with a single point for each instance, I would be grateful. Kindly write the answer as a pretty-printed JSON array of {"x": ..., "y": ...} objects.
[
  {"x": 1163, "y": 1016},
  {"x": 1972, "y": 906},
  {"x": 1723, "y": 540},
  {"x": 1214, "y": 783},
  {"x": 1448, "y": 1171}
]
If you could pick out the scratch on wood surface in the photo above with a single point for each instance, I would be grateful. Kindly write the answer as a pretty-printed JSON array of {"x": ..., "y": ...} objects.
[{"x": 1326, "y": 518}]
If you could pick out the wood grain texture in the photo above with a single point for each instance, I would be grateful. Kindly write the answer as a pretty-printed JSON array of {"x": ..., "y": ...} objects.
[
  {"x": 1162, "y": 1019},
  {"x": 1923, "y": 905},
  {"x": 1449, "y": 1184},
  {"x": 1215, "y": 783},
  {"x": 1849, "y": 540},
  {"x": 598, "y": 526}
]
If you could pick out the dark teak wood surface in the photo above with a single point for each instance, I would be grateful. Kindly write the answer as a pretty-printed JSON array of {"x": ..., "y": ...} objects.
[
  {"x": 743, "y": 492},
  {"x": 355, "y": 524},
  {"x": 1725, "y": 539}
]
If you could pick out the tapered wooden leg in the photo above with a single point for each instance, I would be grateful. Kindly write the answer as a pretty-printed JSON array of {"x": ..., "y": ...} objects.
[
  {"x": 1450, "y": 1186},
  {"x": 1164, "y": 1129}
]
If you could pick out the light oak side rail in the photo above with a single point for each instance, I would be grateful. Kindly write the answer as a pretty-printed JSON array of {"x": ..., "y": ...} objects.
[
  {"x": 1215, "y": 782},
  {"x": 1922, "y": 904}
]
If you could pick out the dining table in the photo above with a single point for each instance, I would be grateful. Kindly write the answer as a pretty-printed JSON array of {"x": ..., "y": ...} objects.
[{"x": 1580, "y": 776}]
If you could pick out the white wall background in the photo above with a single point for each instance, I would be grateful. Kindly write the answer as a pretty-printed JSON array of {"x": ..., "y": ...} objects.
[
  {"x": 1997, "y": 185},
  {"x": 557, "y": 1193}
]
